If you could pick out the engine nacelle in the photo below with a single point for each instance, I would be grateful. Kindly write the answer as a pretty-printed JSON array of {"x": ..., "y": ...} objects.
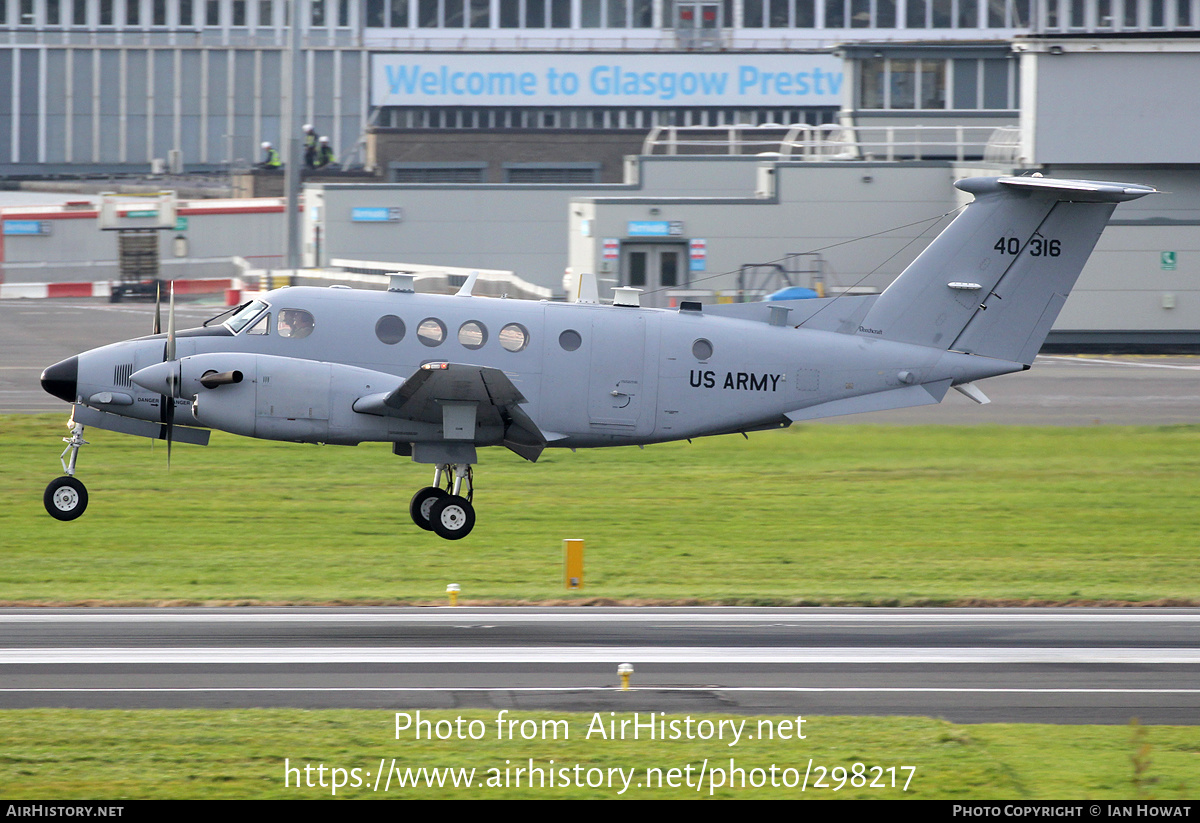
[{"x": 282, "y": 398}]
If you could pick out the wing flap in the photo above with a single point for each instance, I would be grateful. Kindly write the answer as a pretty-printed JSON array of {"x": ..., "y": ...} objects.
[{"x": 424, "y": 396}]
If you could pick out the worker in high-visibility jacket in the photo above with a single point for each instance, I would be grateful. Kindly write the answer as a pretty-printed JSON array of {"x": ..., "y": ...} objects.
[
  {"x": 311, "y": 149},
  {"x": 271, "y": 161},
  {"x": 324, "y": 154}
]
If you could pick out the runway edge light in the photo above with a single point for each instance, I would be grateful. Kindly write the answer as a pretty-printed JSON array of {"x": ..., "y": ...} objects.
[
  {"x": 452, "y": 591},
  {"x": 573, "y": 563}
]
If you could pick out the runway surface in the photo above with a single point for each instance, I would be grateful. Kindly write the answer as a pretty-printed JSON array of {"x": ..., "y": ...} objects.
[
  {"x": 1047, "y": 665},
  {"x": 1058, "y": 390}
]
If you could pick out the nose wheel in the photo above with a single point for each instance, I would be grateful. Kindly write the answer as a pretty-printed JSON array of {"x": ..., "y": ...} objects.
[
  {"x": 446, "y": 512},
  {"x": 66, "y": 497}
]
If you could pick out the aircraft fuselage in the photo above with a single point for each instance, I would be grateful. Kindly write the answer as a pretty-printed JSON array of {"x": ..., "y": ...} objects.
[{"x": 591, "y": 374}]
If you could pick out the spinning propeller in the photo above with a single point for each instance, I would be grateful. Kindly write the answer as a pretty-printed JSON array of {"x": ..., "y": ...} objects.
[
  {"x": 168, "y": 400},
  {"x": 164, "y": 376}
]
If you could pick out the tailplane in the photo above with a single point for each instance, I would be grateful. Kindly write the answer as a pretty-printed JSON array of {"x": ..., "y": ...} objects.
[{"x": 995, "y": 280}]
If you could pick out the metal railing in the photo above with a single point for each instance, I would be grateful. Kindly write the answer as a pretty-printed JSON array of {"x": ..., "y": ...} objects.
[
  {"x": 1004, "y": 147},
  {"x": 834, "y": 142}
]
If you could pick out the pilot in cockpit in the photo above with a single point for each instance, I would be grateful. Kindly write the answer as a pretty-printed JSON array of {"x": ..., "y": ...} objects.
[{"x": 295, "y": 323}]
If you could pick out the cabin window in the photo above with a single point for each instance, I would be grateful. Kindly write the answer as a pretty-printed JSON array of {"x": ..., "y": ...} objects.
[
  {"x": 514, "y": 337},
  {"x": 389, "y": 329},
  {"x": 570, "y": 340},
  {"x": 295, "y": 323},
  {"x": 702, "y": 349},
  {"x": 472, "y": 334},
  {"x": 431, "y": 332}
]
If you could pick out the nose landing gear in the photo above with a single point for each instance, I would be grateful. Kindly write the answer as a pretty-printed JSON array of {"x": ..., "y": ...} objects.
[
  {"x": 66, "y": 497},
  {"x": 445, "y": 511}
]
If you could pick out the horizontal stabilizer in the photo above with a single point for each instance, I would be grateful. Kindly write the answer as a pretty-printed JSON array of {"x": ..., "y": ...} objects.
[{"x": 926, "y": 394}]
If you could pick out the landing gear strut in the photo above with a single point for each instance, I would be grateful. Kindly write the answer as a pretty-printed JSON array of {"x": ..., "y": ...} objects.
[
  {"x": 445, "y": 511},
  {"x": 66, "y": 497}
]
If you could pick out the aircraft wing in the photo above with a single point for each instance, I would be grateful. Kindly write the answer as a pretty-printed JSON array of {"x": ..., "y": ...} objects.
[{"x": 425, "y": 396}]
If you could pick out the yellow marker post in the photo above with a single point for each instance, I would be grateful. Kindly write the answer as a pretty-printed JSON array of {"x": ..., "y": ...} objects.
[
  {"x": 452, "y": 590},
  {"x": 573, "y": 563},
  {"x": 624, "y": 670}
]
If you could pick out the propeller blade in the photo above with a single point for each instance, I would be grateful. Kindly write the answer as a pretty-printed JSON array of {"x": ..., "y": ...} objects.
[
  {"x": 171, "y": 377},
  {"x": 158, "y": 307},
  {"x": 170, "y": 355},
  {"x": 170, "y": 428}
]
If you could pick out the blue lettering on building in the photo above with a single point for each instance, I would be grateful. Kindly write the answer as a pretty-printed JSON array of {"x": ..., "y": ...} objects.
[{"x": 614, "y": 82}]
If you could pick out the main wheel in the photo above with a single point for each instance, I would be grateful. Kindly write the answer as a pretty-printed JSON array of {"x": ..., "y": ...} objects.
[
  {"x": 421, "y": 507},
  {"x": 65, "y": 498},
  {"x": 452, "y": 518}
]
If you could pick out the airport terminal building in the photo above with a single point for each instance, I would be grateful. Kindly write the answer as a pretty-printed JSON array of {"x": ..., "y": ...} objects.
[{"x": 108, "y": 84}]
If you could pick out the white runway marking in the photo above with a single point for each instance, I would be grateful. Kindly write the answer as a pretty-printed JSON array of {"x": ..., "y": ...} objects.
[
  {"x": 593, "y": 654},
  {"x": 1063, "y": 359},
  {"x": 468, "y": 617},
  {"x": 554, "y": 689}
]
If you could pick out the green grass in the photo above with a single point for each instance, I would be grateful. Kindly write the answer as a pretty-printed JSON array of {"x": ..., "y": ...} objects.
[
  {"x": 833, "y": 515},
  {"x": 812, "y": 515},
  {"x": 99, "y": 755}
]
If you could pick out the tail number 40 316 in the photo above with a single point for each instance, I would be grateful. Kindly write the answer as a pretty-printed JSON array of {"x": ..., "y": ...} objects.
[{"x": 1038, "y": 247}]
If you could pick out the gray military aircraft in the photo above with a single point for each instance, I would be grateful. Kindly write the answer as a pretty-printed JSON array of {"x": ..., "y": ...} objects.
[{"x": 438, "y": 376}]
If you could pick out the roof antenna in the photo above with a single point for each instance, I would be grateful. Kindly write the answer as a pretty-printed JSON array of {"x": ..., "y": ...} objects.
[{"x": 465, "y": 289}]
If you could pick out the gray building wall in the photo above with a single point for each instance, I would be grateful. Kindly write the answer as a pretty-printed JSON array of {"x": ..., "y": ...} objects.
[
  {"x": 603, "y": 150},
  {"x": 533, "y": 230},
  {"x": 1110, "y": 101},
  {"x": 520, "y": 228},
  {"x": 1127, "y": 283},
  {"x": 116, "y": 105},
  {"x": 77, "y": 244},
  {"x": 831, "y": 208},
  {"x": 1144, "y": 275}
]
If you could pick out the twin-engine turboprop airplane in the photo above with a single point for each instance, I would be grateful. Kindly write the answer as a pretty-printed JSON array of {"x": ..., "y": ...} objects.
[{"x": 438, "y": 376}]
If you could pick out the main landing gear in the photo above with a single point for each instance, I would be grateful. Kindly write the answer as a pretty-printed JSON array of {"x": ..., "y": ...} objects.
[
  {"x": 66, "y": 498},
  {"x": 445, "y": 511}
]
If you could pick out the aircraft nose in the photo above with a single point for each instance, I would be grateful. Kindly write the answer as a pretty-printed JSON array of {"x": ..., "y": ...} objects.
[{"x": 61, "y": 378}]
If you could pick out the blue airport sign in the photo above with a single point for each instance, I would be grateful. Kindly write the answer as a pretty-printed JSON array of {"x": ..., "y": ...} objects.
[
  {"x": 26, "y": 228},
  {"x": 654, "y": 228},
  {"x": 605, "y": 79},
  {"x": 376, "y": 214}
]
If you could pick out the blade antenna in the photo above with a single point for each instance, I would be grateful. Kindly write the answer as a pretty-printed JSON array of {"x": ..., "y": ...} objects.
[
  {"x": 157, "y": 307},
  {"x": 171, "y": 325}
]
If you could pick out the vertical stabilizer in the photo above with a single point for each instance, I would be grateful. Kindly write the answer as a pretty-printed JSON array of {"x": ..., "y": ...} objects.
[{"x": 994, "y": 281}]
